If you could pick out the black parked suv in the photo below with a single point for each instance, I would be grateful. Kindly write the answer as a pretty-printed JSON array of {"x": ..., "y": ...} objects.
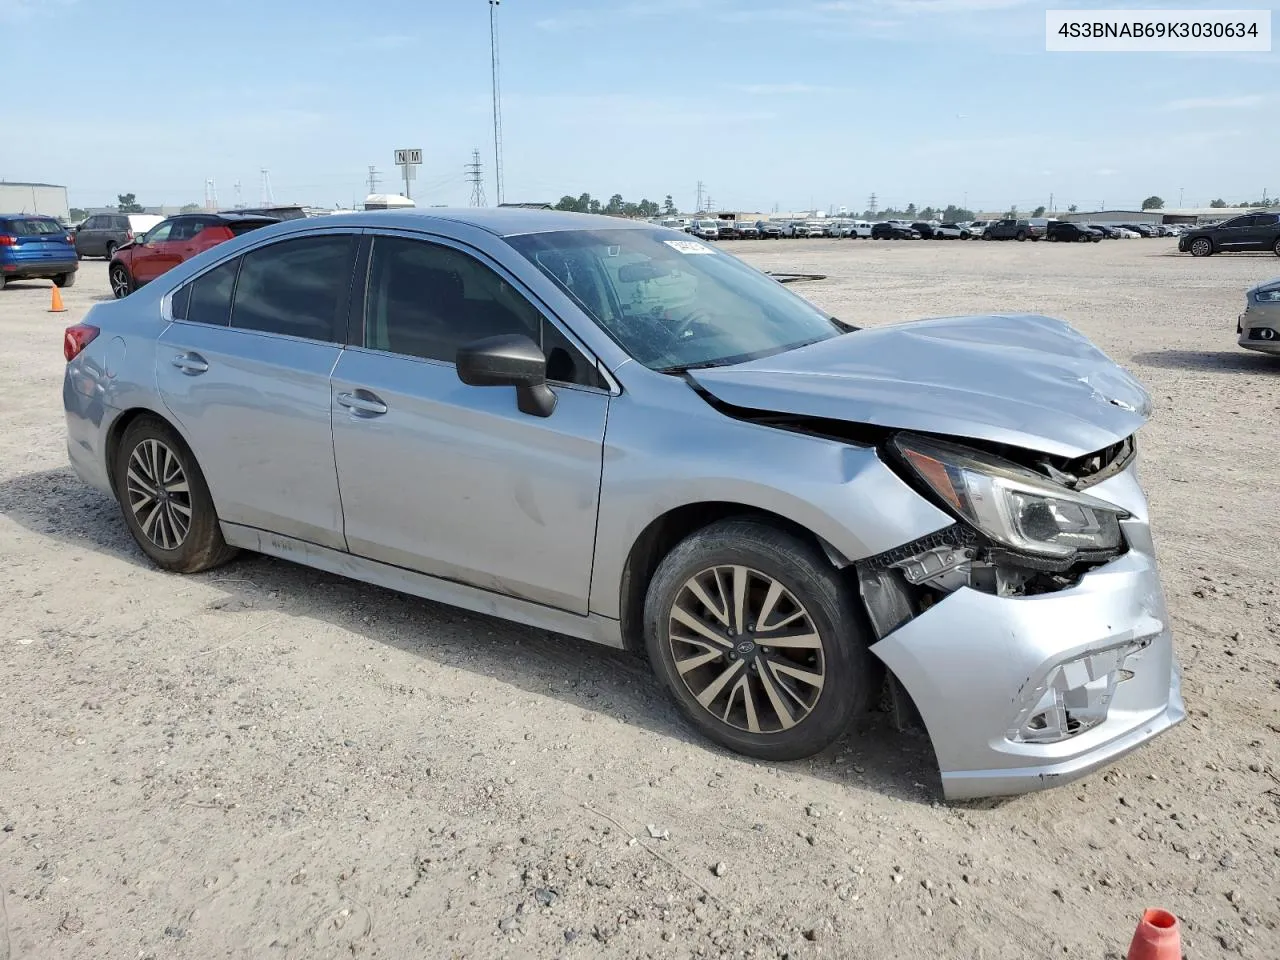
[
  {"x": 1028, "y": 228},
  {"x": 1060, "y": 231},
  {"x": 923, "y": 228},
  {"x": 893, "y": 231},
  {"x": 1253, "y": 231},
  {"x": 768, "y": 230}
]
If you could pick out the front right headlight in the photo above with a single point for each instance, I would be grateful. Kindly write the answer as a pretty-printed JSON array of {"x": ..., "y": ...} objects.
[{"x": 1016, "y": 507}]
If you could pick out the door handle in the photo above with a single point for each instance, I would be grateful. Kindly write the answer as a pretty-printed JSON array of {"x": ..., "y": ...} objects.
[
  {"x": 190, "y": 363},
  {"x": 367, "y": 405}
]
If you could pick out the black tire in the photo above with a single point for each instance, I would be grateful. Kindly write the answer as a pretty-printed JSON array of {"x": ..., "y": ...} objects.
[
  {"x": 120, "y": 279},
  {"x": 1201, "y": 247},
  {"x": 1053, "y": 238},
  {"x": 65, "y": 279},
  {"x": 111, "y": 249},
  {"x": 1275, "y": 247},
  {"x": 3, "y": 280},
  {"x": 1020, "y": 236},
  {"x": 202, "y": 546},
  {"x": 849, "y": 672}
]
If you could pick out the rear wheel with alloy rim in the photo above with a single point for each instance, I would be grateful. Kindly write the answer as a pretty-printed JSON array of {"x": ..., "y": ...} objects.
[
  {"x": 758, "y": 640},
  {"x": 1275, "y": 247},
  {"x": 165, "y": 499}
]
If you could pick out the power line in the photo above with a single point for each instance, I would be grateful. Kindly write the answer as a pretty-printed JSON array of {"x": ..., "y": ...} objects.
[
  {"x": 497, "y": 100},
  {"x": 475, "y": 175}
]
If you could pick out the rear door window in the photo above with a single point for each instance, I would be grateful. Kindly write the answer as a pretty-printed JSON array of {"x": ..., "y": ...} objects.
[
  {"x": 238, "y": 227},
  {"x": 297, "y": 288},
  {"x": 207, "y": 299}
]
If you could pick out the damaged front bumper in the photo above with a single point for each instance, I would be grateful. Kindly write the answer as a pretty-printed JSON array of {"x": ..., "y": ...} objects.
[{"x": 1021, "y": 693}]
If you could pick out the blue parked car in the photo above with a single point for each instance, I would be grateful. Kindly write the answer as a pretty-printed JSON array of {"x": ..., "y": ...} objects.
[{"x": 34, "y": 247}]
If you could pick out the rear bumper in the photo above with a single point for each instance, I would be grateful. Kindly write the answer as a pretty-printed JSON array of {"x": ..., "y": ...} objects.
[
  {"x": 1000, "y": 681},
  {"x": 89, "y": 421},
  {"x": 23, "y": 269}
]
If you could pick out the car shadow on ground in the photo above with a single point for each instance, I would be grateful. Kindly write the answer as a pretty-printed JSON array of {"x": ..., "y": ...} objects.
[
  {"x": 1220, "y": 361},
  {"x": 873, "y": 755}
]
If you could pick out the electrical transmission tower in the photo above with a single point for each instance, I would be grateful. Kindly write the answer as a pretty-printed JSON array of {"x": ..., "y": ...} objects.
[
  {"x": 476, "y": 176},
  {"x": 871, "y": 205},
  {"x": 239, "y": 201},
  {"x": 697, "y": 207},
  {"x": 210, "y": 196},
  {"x": 266, "y": 188},
  {"x": 373, "y": 179},
  {"x": 497, "y": 100}
]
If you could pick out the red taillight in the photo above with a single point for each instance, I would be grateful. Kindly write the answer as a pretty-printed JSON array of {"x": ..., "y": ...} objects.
[
  {"x": 77, "y": 338},
  {"x": 128, "y": 235},
  {"x": 70, "y": 239},
  {"x": 8, "y": 240}
]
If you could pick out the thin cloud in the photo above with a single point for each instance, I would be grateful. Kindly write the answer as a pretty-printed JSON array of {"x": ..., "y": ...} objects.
[
  {"x": 1244, "y": 102},
  {"x": 781, "y": 89},
  {"x": 390, "y": 41}
]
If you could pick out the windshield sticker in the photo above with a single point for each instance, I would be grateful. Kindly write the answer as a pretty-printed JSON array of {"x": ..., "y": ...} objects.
[{"x": 688, "y": 246}]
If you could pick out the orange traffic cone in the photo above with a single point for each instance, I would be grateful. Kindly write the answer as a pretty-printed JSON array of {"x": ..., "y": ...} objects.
[
  {"x": 1157, "y": 937},
  {"x": 56, "y": 306}
]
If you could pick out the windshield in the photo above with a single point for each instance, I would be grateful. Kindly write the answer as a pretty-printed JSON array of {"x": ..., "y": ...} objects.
[{"x": 675, "y": 304}]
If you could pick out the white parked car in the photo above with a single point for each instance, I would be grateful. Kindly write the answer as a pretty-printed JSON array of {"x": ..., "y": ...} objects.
[
  {"x": 706, "y": 229},
  {"x": 976, "y": 228},
  {"x": 1124, "y": 233},
  {"x": 951, "y": 231},
  {"x": 855, "y": 229}
]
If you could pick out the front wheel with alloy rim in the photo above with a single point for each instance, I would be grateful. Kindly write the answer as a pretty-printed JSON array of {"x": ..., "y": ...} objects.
[
  {"x": 1201, "y": 247},
  {"x": 165, "y": 499},
  {"x": 758, "y": 640},
  {"x": 1275, "y": 247},
  {"x": 121, "y": 282}
]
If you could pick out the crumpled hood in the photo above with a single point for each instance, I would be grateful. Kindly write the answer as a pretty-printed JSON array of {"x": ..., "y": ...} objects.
[{"x": 1024, "y": 380}]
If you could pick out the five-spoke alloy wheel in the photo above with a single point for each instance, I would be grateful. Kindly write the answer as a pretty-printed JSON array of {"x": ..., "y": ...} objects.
[{"x": 758, "y": 639}]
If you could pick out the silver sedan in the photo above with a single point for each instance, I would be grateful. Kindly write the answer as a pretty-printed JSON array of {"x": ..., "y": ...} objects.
[
  {"x": 1258, "y": 328},
  {"x": 598, "y": 428}
]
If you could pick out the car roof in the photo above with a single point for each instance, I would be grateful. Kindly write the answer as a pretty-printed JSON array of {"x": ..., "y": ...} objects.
[
  {"x": 27, "y": 216},
  {"x": 500, "y": 221}
]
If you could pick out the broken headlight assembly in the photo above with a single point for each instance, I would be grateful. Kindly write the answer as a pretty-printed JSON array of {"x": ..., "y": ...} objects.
[{"x": 1014, "y": 507}]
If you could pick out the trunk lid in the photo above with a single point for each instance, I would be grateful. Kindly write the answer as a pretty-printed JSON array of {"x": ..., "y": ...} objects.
[{"x": 1027, "y": 381}]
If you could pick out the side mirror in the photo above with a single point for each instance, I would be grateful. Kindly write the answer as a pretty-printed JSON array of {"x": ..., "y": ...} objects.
[{"x": 509, "y": 360}]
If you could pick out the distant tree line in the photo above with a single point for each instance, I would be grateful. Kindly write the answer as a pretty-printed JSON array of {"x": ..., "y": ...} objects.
[
  {"x": 616, "y": 206},
  {"x": 948, "y": 214}
]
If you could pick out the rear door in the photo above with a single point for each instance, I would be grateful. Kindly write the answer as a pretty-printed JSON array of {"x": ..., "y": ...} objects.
[
  {"x": 1261, "y": 232},
  {"x": 244, "y": 369}
]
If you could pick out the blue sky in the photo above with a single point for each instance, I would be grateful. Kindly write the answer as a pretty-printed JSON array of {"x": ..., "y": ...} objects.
[{"x": 787, "y": 102}]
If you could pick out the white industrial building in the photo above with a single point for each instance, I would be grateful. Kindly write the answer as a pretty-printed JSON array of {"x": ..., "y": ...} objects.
[{"x": 47, "y": 198}]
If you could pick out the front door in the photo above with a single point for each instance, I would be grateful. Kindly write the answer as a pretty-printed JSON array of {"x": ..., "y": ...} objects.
[
  {"x": 452, "y": 480},
  {"x": 153, "y": 254},
  {"x": 1235, "y": 234},
  {"x": 244, "y": 370}
]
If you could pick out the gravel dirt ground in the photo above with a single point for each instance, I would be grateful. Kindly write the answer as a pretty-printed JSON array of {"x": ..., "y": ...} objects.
[{"x": 266, "y": 761}]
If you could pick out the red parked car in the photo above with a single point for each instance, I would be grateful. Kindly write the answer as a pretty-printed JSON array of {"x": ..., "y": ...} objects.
[{"x": 172, "y": 241}]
